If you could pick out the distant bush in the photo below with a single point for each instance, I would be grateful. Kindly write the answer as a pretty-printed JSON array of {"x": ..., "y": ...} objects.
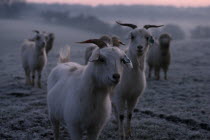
[
  {"x": 81, "y": 21},
  {"x": 200, "y": 32},
  {"x": 175, "y": 31},
  {"x": 11, "y": 8}
]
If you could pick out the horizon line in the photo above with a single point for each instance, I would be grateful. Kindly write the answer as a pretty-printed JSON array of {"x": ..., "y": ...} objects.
[
  {"x": 124, "y": 3},
  {"x": 98, "y": 5}
]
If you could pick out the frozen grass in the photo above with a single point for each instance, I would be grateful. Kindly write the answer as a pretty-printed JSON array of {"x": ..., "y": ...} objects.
[{"x": 175, "y": 109}]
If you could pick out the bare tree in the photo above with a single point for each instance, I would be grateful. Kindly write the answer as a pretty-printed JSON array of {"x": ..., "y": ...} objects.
[
  {"x": 11, "y": 8},
  {"x": 9, "y": 2}
]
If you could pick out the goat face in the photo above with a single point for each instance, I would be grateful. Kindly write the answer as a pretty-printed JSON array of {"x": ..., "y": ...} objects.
[
  {"x": 164, "y": 41},
  {"x": 139, "y": 40},
  {"x": 40, "y": 40},
  {"x": 48, "y": 36},
  {"x": 109, "y": 63}
]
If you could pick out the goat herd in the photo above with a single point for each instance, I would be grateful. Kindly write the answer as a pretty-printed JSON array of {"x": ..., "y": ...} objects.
[{"x": 82, "y": 96}]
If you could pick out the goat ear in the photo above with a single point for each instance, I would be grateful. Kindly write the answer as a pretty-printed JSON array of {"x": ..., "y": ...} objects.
[
  {"x": 32, "y": 39},
  {"x": 127, "y": 61},
  {"x": 151, "y": 40},
  {"x": 51, "y": 35},
  {"x": 36, "y": 31},
  {"x": 170, "y": 38},
  {"x": 95, "y": 56},
  {"x": 121, "y": 42}
]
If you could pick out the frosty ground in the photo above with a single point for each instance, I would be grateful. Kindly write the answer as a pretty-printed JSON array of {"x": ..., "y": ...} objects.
[{"x": 175, "y": 109}]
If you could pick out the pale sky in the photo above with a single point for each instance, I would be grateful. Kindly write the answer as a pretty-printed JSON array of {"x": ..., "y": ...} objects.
[{"x": 182, "y": 3}]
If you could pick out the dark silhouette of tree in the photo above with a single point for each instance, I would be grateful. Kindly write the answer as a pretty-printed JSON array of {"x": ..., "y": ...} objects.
[
  {"x": 86, "y": 22},
  {"x": 11, "y": 8},
  {"x": 10, "y": 2}
]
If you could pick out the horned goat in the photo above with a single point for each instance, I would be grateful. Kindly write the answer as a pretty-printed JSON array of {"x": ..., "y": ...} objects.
[
  {"x": 133, "y": 82},
  {"x": 159, "y": 56},
  {"x": 34, "y": 58},
  {"x": 79, "y": 96}
]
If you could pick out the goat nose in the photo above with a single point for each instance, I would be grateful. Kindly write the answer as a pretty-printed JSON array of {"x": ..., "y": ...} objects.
[
  {"x": 116, "y": 76},
  {"x": 139, "y": 47}
]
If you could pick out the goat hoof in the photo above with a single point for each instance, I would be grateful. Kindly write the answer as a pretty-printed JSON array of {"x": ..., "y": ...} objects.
[
  {"x": 129, "y": 134},
  {"x": 122, "y": 138},
  {"x": 157, "y": 79},
  {"x": 39, "y": 85},
  {"x": 28, "y": 83}
]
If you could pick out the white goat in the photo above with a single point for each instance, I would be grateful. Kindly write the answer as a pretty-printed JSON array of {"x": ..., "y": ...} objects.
[
  {"x": 34, "y": 58},
  {"x": 64, "y": 55},
  {"x": 79, "y": 96},
  {"x": 114, "y": 41},
  {"x": 127, "y": 93},
  {"x": 159, "y": 56}
]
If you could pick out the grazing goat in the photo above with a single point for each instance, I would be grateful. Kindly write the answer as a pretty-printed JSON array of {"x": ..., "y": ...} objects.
[
  {"x": 79, "y": 96},
  {"x": 133, "y": 82},
  {"x": 159, "y": 56},
  {"x": 114, "y": 41},
  {"x": 34, "y": 58}
]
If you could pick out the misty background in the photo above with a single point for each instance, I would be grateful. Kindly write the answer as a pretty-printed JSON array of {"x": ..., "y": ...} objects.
[
  {"x": 181, "y": 23},
  {"x": 178, "y": 108}
]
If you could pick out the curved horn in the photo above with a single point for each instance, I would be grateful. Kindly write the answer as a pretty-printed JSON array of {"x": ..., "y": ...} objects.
[
  {"x": 97, "y": 42},
  {"x": 152, "y": 26},
  {"x": 36, "y": 31},
  {"x": 127, "y": 24},
  {"x": 121, "y": 42}
]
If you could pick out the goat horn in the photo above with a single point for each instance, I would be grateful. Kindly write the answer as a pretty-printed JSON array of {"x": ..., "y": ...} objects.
[
  {"x": 97, "y": 42},
  {"x": 152, "y": 26},
  {"x": 36, "y": 31},
  {"x": 127, "y": 24},
  {"x": 121, "y": 42}
]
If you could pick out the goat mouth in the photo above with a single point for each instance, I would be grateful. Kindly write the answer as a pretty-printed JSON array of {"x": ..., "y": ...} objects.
[
  {"x": 114, "y": 81},
  {"x": 140, "y": 51}
]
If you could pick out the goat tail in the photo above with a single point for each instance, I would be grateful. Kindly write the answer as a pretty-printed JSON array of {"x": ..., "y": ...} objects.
[{"x": 64, "y": 54}]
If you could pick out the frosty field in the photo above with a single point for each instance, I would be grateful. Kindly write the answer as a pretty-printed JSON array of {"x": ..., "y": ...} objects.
[{"x": 177, "y": 109}]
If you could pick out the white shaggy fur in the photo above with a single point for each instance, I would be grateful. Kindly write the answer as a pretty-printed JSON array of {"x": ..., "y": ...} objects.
[
  {"x": 34, "y": 58},
  {"x": 79, "y": 96},
  {"x": 132, "y": 85},
  {"x": 64, "y": 55},
  {"x": 159, "y": 56}
]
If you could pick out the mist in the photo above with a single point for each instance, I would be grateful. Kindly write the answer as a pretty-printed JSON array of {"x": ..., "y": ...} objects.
[{"x": 178, "y": 108}]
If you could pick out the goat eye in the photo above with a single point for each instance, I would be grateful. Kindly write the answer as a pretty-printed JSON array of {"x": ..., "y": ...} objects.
[
  {"x": 125, "y": 60},
  {"x": 132, "y": 37},
  {"x": 102, "y": 60},
  {"x": 147, "y": 38},
  {"x": 37, "y": 38},
  {"x": 151, "y": 40},
  {"x": 122, "y": 60}
]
